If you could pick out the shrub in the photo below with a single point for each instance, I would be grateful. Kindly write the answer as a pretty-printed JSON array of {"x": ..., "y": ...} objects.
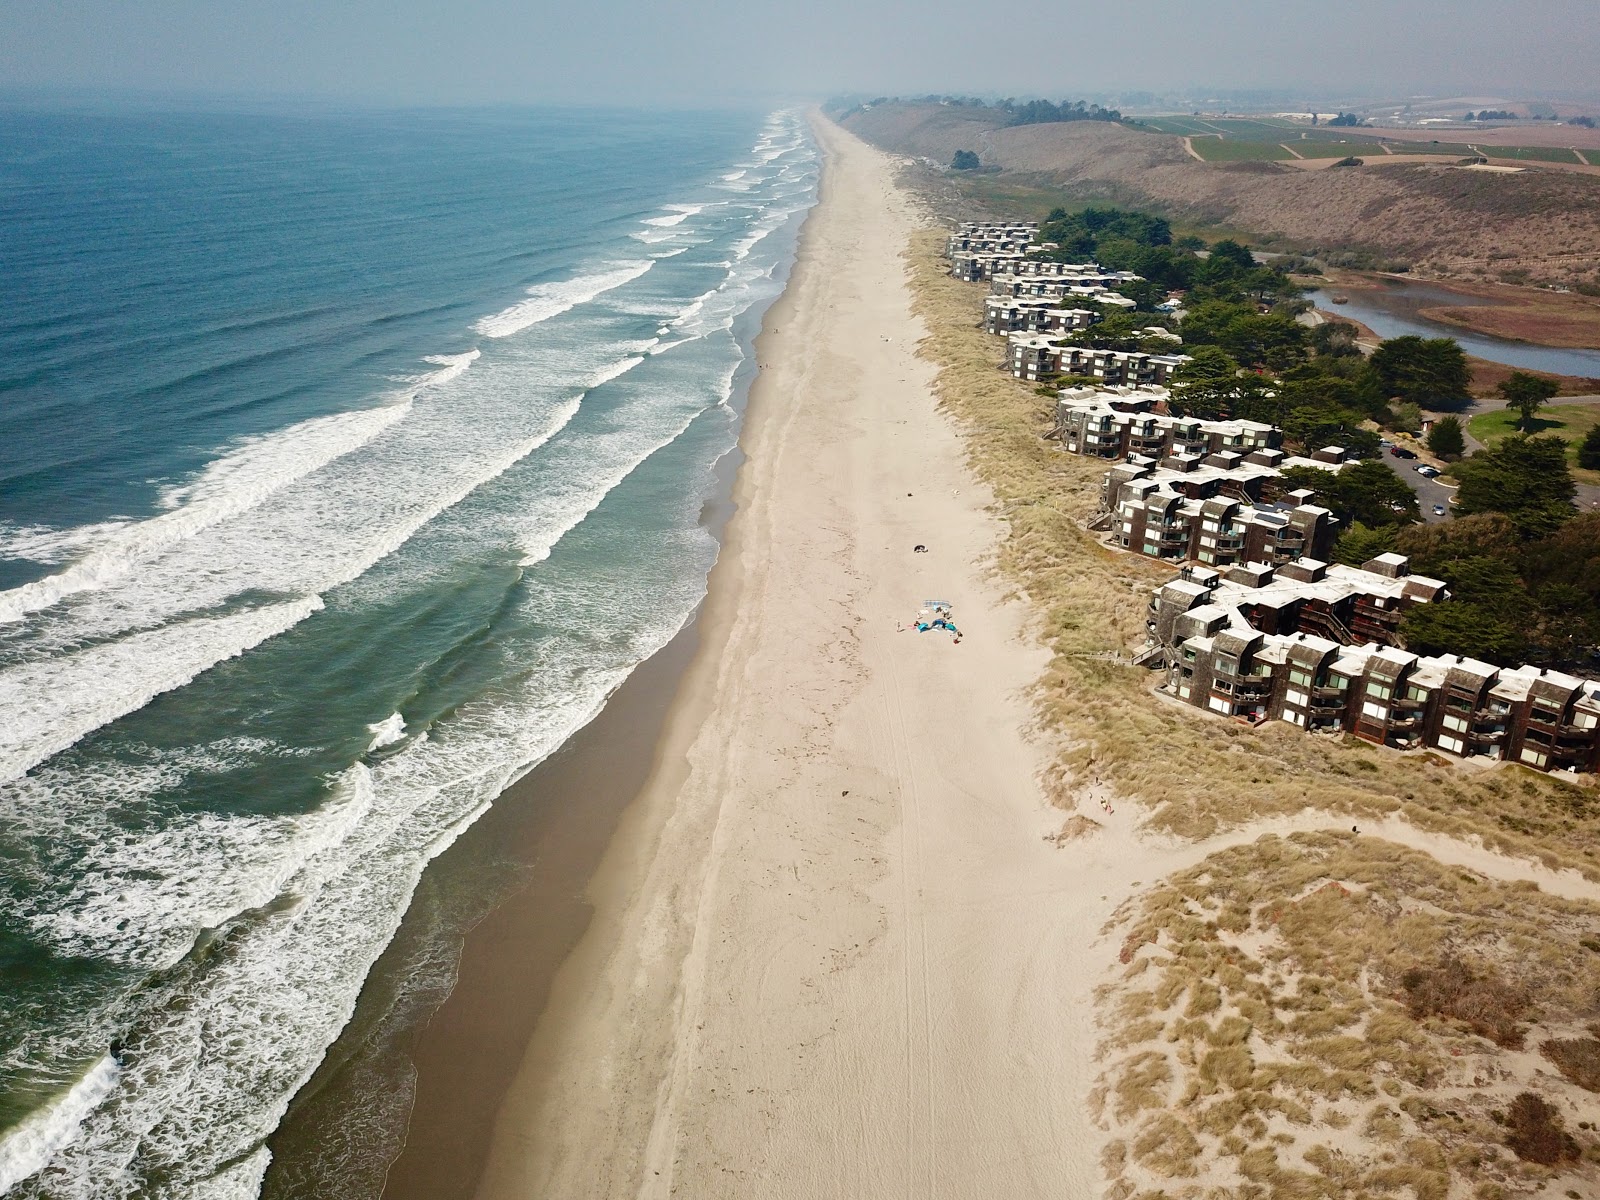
[
  {"x": 1486, "y": 1004},
  {"x": 1577, "y": 1059},
  {"x": 1535, "y": 1134}
]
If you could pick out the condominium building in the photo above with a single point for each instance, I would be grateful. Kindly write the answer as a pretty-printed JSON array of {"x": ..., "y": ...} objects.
[
  {"x": 1317, "y": 647},
  {"x": 1035, "y": 357}
]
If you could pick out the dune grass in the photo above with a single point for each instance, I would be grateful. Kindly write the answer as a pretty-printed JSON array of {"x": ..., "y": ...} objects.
[
  {"x": 1195, "y": 774},
  {"x": 1297, "y": 988}
]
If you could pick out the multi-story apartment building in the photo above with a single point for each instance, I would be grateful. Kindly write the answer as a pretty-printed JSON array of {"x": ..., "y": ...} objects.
[
  {"x": 1062, "y": 287},
  {"x": 974, "y": 235},
  {"x": 1223, "y": 530},
  {"x": 1346, "y": 605},
  {"x": 1114, "y": 424},
  {"x": 1257, "y": 644},
  {"x": 1033, "y": 314},
  {"x": 1035, "y": 357}
]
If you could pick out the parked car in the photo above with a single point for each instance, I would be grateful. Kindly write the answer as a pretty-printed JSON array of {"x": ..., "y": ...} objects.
[
  {"x": 1425, "y": 470},
  {"x": 1402, "y": 452},
  {"x": 1438, "y": 510}
]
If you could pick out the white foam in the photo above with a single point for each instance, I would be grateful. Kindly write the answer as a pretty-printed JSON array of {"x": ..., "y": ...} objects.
[
  {"x": 51, "y": 704},
  {"x": 678, "y": 214},
  {"x": 49, "y": 545},
  {"x": 614, "y": 371},
  {"x": 34, "y": 1141},
  {"x": 387, "y": 731},
  {"x": 546, "y": 300},
  {"x": 59, "y": 699},
  {"x": 239, "y": 480}
]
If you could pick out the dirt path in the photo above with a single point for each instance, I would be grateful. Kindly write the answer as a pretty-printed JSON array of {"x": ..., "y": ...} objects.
[
  {"x": 1291, "y": 150},
  {"x": 1188, "y": 148}
]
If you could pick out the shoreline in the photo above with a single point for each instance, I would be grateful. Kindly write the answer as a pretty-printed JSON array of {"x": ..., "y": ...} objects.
[
  {"x": 819, "y": 964},
  {"x": 506, "y": 904}
]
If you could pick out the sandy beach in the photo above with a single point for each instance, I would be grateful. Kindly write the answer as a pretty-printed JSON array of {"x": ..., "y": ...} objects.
[{"x": 822, "y": 960}]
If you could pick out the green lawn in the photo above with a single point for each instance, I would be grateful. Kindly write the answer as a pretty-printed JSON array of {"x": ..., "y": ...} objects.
[{"x": 1570, "y": 421}]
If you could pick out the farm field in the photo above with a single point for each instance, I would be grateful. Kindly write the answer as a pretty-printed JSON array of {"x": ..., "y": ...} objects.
[
  {"x": 1215, "y": 149},
  {"x": 1569, "y": 421},
  {"x": 1532, "y": 153},
  {"x": 1254, "y": 139}
]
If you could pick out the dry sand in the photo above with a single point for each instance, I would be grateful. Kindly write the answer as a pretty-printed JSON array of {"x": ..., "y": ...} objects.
[{"x": 836, "y": 951}]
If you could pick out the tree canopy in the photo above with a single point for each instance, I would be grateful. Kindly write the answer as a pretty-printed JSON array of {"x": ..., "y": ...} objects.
[
  {"x": 1446, "y": 439},
  {"x": 1431, "y": 372},
  {"x": 965, "y": 160},
  {"x": 1526, "y": 478},
  {"x": 1526, "y": 394},
  {"x": 1368, "y": 493},
  {"x": 1589, "y": 450}
]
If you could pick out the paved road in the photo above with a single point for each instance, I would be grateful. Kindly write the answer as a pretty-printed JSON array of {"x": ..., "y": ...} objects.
[{"x": 1429, "y": 491}]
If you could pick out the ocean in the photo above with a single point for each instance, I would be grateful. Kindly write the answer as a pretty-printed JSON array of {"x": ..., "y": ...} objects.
[{"x": 348, "y": 462}]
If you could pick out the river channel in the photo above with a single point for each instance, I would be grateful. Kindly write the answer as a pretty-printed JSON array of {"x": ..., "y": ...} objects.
[{"x": 1395, "y": 310}]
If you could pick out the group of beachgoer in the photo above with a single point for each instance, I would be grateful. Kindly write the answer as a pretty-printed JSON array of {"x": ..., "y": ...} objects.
[{"x": 936, "y": 615}]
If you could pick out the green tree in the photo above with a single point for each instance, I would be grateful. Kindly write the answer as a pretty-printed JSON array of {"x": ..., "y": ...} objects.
[
  {"x": 1360, "y": 544},
  {"x": 1446, "y": 439},
  {"x": 1433, "y": 548},
  {"x": 1405, "y": 417},
  {"x": 1231, "y": 252},
  {"x": 1458, "y": 627},
  {"x": 1335, "y": 339},
  {"x": 1367, "y": 492},
  {"x": 1589, "y": 450},
  {"x": 1205, "y": 385},
  {"x": 1526, "y": 478},
  {"x": 1527, "y": 394},
  {"x": 965, "y": 160},
  {"x": 1431, "y": 372}
]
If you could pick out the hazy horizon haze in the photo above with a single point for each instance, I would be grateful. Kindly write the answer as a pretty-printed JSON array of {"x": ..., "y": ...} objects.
[{"x": 714, "y": 52}]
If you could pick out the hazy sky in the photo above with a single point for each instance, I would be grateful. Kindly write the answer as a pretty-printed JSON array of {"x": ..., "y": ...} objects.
[{"x": 692, "y": 51}]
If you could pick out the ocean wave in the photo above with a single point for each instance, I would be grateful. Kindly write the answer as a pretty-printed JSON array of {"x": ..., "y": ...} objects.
[
  {"x": 27, "y": 1147},
  {"x": 53, "y": 703},
  {"x": 386, "y": 732},
  {"x": 221, "y": 1042},
  {"x": 546, "y": 300},
  {"x": 235, "y": 482},
  {"x": 677, "y": 216},
  {"x": 151, "y": 917},
  {"x": 60, "y": 699}
]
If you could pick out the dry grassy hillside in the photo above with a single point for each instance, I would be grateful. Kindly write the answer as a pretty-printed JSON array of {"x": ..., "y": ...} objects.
[{"x": 1543, "y": 224}]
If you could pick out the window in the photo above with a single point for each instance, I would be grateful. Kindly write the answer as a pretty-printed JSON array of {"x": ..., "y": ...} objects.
[
  {"x": 1451, "y": 744},
  {"x": 1300, "y": 678},
  {"x": 1218, "y": 704},
  {"x": 1535, "y": 757},
  {"x": 1416, "y": 693},
  {"x": 1543, "y": 716},
  {"x": 1378, "y": 691},
  {"x": 1377, "y": 712},
  {"x": 1294, "y": 697},
  {"x": 1458, "y": 724}
]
